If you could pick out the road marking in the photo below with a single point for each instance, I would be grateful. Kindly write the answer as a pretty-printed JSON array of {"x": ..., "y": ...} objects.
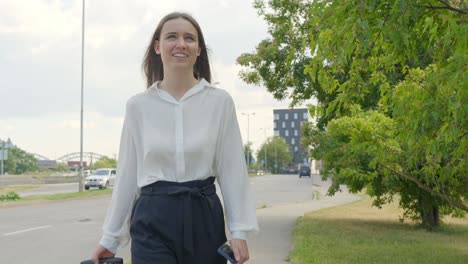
[{"x": 27, "y": 230}]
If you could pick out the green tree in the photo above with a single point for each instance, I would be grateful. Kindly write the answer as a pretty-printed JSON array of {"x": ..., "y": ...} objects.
[
  {"x": 391, "y": 84},
  {"x": 63, "y": 167},
  {"x": 248, "y": 149},
  {"x": 19, "y": 162},
  {"x": 104, "y": 162},
  {"x": 277, "y": 151}
]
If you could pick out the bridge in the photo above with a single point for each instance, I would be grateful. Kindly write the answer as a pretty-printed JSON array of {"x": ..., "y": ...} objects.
[{"x": 75, "y": 156}]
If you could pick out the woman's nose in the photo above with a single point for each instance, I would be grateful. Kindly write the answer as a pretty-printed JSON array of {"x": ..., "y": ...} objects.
[{"x": 181, "y": 43}]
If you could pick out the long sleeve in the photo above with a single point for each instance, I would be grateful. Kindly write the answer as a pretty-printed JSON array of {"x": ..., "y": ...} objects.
[
  {"x": 116, "y": 225},
  {"x": 233, "y": 177}
]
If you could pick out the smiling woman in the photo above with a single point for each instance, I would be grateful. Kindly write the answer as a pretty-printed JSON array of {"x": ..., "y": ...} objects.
[
  {"x": 179, "y": 40},
  {"x": 179, "y": 136},
  {"x": 168, "y": 29}
]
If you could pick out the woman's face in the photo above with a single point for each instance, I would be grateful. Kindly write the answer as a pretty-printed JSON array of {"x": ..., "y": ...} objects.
[{"x": 178, "y": 44}]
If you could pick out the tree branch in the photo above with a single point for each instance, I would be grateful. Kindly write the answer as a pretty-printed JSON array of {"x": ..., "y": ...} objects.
[
  {"x": 457, "y": 204},
  {"x": 464, "y": 134},
  {"x": 447, "y": 6}
]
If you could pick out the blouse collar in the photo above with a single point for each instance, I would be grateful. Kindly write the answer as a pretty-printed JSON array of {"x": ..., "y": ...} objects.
[{"x": 169, "y": 98}]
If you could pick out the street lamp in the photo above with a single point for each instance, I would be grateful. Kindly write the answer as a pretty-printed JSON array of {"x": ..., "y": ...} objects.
[
  {"x": 248, "y": 131},
  {"x": 80, "y": 185},
  {"x": 5, "y": 146}
]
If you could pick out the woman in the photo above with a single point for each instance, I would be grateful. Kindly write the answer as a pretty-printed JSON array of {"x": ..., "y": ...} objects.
[{"x": 178, "y": 136}]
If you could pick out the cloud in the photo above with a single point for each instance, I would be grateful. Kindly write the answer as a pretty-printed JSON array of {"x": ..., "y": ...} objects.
[
  {"x": 39, "y": 20},
  {"x": 40, "y": 66},
  {"x": 59, "y": 134}
]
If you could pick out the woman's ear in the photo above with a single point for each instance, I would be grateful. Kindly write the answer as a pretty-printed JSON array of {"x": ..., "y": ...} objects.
[{"x": 156, "y": 47}]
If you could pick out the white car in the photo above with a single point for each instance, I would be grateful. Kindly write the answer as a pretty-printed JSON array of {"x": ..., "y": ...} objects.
[{"x": 101, "y": 178}]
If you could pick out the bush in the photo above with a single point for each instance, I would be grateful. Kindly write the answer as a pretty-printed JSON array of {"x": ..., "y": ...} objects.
[{"x": 9, "y": 196}]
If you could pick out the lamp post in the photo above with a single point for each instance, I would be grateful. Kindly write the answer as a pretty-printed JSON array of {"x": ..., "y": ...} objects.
[
  {"x": 80, "y": 185},
  {"x": 248, "y": 140},
  {"x": 5, "y": 147}
]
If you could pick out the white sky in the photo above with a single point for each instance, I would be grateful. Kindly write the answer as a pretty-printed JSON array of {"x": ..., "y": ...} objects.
[{"x": 40, "y": 67}]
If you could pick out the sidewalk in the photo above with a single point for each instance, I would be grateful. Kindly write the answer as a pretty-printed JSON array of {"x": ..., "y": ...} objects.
[{"x": 273, "y": 243}]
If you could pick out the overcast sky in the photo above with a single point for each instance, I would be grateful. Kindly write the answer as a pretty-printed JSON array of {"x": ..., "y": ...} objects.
[{"x": 40, "y": 67}]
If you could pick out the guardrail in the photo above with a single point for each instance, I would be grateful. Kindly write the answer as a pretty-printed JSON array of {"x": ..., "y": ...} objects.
[{"x": 11, "y": 180}]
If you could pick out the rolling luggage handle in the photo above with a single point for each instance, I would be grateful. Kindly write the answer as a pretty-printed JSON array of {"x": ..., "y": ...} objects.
[{"x": 107, "y": 260}]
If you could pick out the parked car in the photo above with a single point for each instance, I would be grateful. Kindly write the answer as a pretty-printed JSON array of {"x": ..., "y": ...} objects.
[
  {"x": 304, "y": 171},
  {"x": 101, "y": 178}
]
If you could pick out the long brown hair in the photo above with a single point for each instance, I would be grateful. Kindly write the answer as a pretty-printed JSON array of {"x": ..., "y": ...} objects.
[{"x": 152, "y": 63}]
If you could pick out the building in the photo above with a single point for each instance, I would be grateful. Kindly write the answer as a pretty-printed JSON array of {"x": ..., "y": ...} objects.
[
  {"x": 75, "y": 165},
  {"x": 287, "y": 124},
  {"x": 47, "y": 164}
]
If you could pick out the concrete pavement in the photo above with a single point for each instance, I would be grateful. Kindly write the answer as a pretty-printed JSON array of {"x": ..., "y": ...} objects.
[
  {"x": 273, "y": 243},
  {"x": 286, "y": 198}
]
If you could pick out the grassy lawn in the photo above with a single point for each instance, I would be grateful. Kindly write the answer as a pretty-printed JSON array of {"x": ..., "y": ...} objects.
[
  {"x": 62, "y": 196},
  {"x": 35, "y": 199},
  {"x": 359, "y": 233}
]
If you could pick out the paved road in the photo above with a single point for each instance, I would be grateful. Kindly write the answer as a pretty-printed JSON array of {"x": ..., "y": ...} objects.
[
  {"x": 273, "y": 244},
  {"x": 267, "y": 191},
  {"x": 66, "y": 232}
]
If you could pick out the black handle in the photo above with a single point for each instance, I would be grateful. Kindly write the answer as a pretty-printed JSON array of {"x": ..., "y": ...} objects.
[{"x": 102, "y": 260}]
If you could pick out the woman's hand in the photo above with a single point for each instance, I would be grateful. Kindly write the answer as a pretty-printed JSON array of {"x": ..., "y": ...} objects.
[
  {"x": 240, "y": 249},
  {"x": 101, "y": 252}
]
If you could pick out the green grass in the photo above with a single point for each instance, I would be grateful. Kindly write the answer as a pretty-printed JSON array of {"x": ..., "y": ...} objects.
[
  {"x": 62, "y": 196},
  {"x": 359, "y": 233},
  {"x": 54, "y": 197}
]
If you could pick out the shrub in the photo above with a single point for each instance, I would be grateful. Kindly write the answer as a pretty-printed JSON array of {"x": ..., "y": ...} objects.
[{"x": 9, "y": 196}]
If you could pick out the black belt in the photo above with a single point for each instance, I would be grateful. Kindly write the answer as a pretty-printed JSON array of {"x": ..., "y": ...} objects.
[{"x": 201, "y": 189}]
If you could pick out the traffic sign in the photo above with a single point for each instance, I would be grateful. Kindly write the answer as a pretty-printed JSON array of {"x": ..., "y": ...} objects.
[{"x": 4, "y": 155}]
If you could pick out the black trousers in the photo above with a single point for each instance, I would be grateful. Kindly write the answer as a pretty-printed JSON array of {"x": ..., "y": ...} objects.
[{"x": 177, "y": 223}]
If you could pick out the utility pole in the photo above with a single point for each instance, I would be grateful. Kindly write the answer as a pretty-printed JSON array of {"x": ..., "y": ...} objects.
[
  {"x": 5, "y": 146},
  {"x": 80, "y": 185},
  {"x": 265, "y": 150},
  {"x": 248, "y": 137},
  {"x": 3, "y": 156}
]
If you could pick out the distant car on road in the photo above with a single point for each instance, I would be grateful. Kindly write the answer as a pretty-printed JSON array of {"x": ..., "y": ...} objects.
[
  {"x": 101, "y": 178},
  {"x": 260, "y": 173},
  {"x": 304, "y": 171}
]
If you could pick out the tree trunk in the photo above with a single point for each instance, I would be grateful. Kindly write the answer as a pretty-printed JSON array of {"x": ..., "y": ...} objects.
[{"x": 430, "y": 216}]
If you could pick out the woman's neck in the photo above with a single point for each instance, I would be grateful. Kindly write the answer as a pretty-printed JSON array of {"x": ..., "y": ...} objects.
[{"x": 177, "y": 84}]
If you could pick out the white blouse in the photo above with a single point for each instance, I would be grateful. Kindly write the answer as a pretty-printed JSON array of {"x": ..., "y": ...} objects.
[{"x": 190, "y": 139}]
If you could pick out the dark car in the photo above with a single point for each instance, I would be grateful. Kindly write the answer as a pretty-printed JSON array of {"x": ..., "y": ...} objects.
[{"x": 304, "y": 171}]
